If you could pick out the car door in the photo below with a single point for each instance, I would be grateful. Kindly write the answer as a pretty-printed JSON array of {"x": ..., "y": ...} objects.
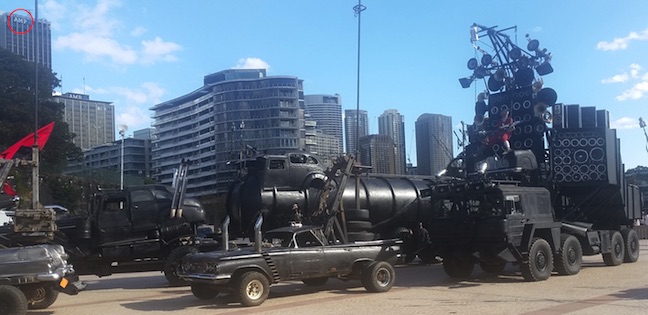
[
  {"x": 113, "y": 222},
  {"x": 307, "y": 256}
]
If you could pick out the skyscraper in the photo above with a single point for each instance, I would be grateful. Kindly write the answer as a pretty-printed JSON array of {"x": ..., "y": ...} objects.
[
  {"x": 235, "y": 113},
  {"x": 433, "y": 143},
  {"x": 378, "y": 152},
  {"x": 93, "y": 122},
  {"x": 350, "y": 128},
  {"x": 326, "y": 110},
  {"x": 392, "y": 124},
  {"x": 17, "y": 37}
]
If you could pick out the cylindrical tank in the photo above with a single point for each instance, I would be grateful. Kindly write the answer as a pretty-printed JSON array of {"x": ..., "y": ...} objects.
[{"x": 386, "y": 198}]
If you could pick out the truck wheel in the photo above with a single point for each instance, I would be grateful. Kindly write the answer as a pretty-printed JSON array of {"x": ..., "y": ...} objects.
[
  {"x": 12, "y": 301},
  {"x": 631, "y": 240},
  {"x": 493, "y": 266},
  {"x": 615, "y": 257},
  {"x": 379, "y": 276},
  {"x": 40, "y": 297},
  {"x": 356, "y": 214},
  {"x": 358, "y": 226},
  {"x": 204, "y": 291},
  {"x": 360, "y": 236},
  {"x": 540, "y": 262},
  {"x": 315, "y": 282},
  {"x": 172, "y": 263},
  {"x": 252, "y": 288},
  {"x": 457, "y": 268},
  {"x": 570, "y": 258}
]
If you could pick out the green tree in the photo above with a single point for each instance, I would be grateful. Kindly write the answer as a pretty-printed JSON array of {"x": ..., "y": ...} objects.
[{"x": 17, "y": 89}]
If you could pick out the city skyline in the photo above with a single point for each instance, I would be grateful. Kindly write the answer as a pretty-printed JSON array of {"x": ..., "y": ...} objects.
[{"x": 131, "y": 54}]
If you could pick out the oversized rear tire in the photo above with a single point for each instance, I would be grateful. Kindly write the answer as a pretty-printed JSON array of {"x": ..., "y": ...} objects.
[
  {"x": 40, "y": 297},
  {"x": 615, "y": 257},
  {"x": 315, "y": 282},
  {"x": 356, "y": 214},
  {"x": 252, "y": 288},
  {"x": 360, "y": 236},
  {"x": 540, "y": 263},
  {"x": 358, "y": 226},
  {"x": 631, "y": 240},
  {"x": 570, "y": 258},
  {"x": 378, "y": 276},
  {"x": 12, "y": 301},
  {"x": 457, "y": 268},
  {"x": 204, "y": 291},
  {"x": 493, "y": 266},
  {"x": 172, "y": 263}
]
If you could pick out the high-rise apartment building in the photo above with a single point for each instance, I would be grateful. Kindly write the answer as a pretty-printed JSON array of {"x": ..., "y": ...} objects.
[
  {"x": 93, "y": 122},
  {"x": 392, "y": 124},
  {"x": 20, "y": 36},
  {"x": 326, "y": 110},
  {"x": 356, "y": 125},
  {"x": 433, "y": 143},
  {"x": 378, "y": 152},
  {"x": 235, "y": 113}
]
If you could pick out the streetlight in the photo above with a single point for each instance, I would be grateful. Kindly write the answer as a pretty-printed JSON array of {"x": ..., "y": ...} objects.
[{"x": 122, "y": 132}]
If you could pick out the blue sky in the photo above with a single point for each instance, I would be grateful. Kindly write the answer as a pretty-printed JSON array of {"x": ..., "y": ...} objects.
[{"x": 139, "y": 53}]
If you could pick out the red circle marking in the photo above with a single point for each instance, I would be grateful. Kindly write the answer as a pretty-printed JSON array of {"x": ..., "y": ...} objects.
[{"x": 16, "y": 32}]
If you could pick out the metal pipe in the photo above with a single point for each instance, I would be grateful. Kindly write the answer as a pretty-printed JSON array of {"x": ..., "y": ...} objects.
[
  {"x": 225, "y": 231},
  {"x": 257, "y": 233}
]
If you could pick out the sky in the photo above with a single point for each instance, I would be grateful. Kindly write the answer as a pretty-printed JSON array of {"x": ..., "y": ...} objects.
[{"x": 139, "y": 53}]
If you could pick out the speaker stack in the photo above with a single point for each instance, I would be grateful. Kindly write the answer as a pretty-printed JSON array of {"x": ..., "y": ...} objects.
[
  {"x": 529, "y": 131},
  {"x": 585, "y": 155}
]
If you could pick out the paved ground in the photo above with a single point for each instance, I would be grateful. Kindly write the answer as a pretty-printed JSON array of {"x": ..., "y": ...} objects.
[{"x": 419, "y": 289}]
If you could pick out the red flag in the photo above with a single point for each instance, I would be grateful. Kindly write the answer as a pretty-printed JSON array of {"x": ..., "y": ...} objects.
[
  {"x": 43, "y": 135},
  {"x": 8, "y": 190}
]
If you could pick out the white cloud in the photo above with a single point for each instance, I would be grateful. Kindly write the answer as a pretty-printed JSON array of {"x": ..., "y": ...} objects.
[
  {"x": 625, "y": 123},
  {"x": 134, "y": 117},
  {"x": 636, "y": 92},
  {"x": 147, "y": 93},
  {"x": 251, "y": 63},
  {"x": 97, "y": 33},
  {"x": 54, "y": 11},
  {"x": 616, "y": 78},
  {"x": 158, "y": 49},
  {"x": 623, "y": 42},
  {"x": 138, "y": 31}
]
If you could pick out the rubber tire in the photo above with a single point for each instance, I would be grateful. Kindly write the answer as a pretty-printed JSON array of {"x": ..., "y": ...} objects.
[
  {"x": 12, "y": 301},
  {"x": 360, "y": 236},
  {"x": 379, "y": 276},
  {"x": 171, "y": 264},
  {"x": 631, "y": 240},
  {"x": 248, "y": 281},
  {"x": 356, "y": 214},
  {"x": 204, "y": 291},
  {"x": 40, "y": 297},
  {"x": 315, "y": 282},
  {"x": 428, "y": 256},
  {"x": 615, "y": 257},
  {"x": 570, "y": 259},
  {"x": 540, "y": 263},
  {"x": 492, "y": 267},
  {"x": 358, "y": 226},
  {"x": 457, "y": 268}
]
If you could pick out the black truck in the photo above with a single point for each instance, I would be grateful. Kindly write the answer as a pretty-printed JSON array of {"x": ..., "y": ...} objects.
[
  {"x": 558, "y": 195},
  {"x": 290, "y": 253},
  {"x": 134, "y": 229},
  {"x": 31, "y": 277}
]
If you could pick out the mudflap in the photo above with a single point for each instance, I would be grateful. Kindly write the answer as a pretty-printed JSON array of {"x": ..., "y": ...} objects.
[{"x": 70, "y": 285}]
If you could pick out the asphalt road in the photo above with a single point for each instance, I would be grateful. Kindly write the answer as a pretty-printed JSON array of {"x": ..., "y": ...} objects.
[{"x": 419, "y": 289}]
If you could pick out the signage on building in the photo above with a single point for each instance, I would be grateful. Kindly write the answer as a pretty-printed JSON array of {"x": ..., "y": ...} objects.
[
  {"x": 21, "y": 20},
  {"x": 77, "y": 96}
]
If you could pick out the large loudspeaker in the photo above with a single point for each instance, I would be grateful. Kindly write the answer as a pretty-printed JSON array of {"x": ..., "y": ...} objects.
[
  {"x": 572, "y": 116},
  {"x": 558, "y": 116},
  {"x": 519, "y": 102},
  {"x": 585, "y": 156},
  {"x": 588, "y": 117},
  {"x": 603, "y": 118}
]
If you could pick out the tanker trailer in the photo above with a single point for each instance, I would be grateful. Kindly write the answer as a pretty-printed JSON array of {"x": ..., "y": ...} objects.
[{"x": 388, "y": 205}]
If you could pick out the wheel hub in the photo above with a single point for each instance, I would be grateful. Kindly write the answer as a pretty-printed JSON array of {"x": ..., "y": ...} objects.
[
  {"x": 254, "y": 289},
  {"x": 383, "y": 277},
  {"x": 541, "y": 261}
]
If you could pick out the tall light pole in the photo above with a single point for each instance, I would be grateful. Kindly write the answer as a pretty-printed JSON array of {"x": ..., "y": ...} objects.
[
  {"x": 642, "y": 124},
  {"x": 358, "y": 12},
  {"x": 122, "y": 133}
]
